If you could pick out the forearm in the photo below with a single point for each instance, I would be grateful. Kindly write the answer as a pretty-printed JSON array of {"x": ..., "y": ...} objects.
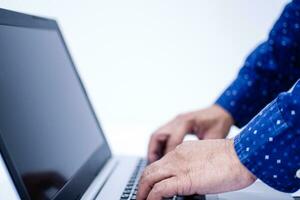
[{"x": 268, "y": 145}]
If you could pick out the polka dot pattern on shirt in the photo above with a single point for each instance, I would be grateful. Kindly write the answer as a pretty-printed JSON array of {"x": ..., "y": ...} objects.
[
  {"x": 265, "y": 156},
  {"x": 273, "y": 67},
  {"x": 269, "y": 143}
]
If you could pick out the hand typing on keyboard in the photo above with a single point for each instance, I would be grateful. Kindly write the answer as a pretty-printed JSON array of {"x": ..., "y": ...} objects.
[
  {"x": 195, "y": 167},
  {"x": 213, "y": 122}
]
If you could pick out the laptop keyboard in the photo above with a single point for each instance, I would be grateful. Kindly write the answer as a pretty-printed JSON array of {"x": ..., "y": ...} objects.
[{"x": 131, "y": 188}]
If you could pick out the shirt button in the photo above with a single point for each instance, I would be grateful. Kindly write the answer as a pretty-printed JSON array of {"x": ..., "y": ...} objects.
[{"x": 298, "y": 173}]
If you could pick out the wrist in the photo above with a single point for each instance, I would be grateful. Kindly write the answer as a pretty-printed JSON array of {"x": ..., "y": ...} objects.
[
  {"x": 224, "y": 114},
  {"x": 243, "y": 176}
]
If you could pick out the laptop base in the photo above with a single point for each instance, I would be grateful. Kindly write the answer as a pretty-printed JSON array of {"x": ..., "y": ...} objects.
[{"x": 112, "y": 180}]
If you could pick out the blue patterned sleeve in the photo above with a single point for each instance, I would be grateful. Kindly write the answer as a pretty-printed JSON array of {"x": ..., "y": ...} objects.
[
  {"x": 273, "y": 67},
  {"x": 269, "y": 144}
]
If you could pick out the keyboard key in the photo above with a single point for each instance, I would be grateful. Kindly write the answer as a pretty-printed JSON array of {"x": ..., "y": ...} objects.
[
  {"x": 125, "y": 196},
  {"x": 131, "y": 188}
]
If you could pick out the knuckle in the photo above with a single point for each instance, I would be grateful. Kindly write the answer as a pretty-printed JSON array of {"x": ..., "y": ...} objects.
[
  {"x": 146, "y": 173},
  {"x": 175, "y": 153},
  {"x": 153, "y": 136},
  {"x": 150, "y": 170},
  {"x": 179, "y": 148},
  {"x": 158, "y": 188},
  {"x": 179, "y": 153},
  {"x": 181, "y": 117},
  {"x": 143, "y": 181},
  {"x": 184, "y": 147},
  {"x": 145, "y": 177}
]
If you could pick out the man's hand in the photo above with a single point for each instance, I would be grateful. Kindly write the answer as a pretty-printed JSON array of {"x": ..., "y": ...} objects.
[
  {"x": 210, "y": 123},
  {"x": 198, "y": 167}
]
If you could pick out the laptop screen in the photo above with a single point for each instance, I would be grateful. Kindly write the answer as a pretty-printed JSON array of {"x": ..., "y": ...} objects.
[{"x": 46, "y": 122}]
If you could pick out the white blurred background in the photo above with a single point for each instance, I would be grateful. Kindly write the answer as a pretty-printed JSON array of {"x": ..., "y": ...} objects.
[{"x": 143, "y": 62}]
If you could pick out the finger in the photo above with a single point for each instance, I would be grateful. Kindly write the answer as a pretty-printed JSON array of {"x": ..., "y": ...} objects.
[
  {"x": 174, "y": 140},
  {"x": 164, "y": 189},
  {"x": 178, "y": 136},
  {"x": 154, "y": 173},
  {"x": 156, "y": 146}
]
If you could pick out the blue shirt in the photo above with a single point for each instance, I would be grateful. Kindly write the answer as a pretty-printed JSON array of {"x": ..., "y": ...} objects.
[{"x": 264, "y": 99}]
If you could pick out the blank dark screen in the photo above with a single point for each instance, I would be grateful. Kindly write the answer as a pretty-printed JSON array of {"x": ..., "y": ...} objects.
[{"x": 46, "y": 122}]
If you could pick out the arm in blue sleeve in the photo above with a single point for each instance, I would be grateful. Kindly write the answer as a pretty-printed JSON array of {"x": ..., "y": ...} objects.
[
  {"x": 273, "y": 67},
  {"x": 269, "y": 144}
]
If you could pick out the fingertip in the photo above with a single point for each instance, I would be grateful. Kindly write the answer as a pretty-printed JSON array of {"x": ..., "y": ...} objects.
[{"x": 156, "y": 147}]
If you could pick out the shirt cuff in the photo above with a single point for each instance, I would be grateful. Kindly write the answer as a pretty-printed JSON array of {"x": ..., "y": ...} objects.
[{"x": 263, "y": 147}]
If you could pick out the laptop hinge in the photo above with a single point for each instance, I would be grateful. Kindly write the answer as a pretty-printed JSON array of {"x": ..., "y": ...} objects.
[{"x": 100, "y": 180}]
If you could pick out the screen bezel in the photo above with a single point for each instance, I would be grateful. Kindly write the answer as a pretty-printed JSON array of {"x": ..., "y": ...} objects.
[{"x": 80, "y": 181}]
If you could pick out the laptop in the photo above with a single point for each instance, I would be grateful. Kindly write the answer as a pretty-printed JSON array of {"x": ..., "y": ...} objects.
[{"x": 51, "y": 141}]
